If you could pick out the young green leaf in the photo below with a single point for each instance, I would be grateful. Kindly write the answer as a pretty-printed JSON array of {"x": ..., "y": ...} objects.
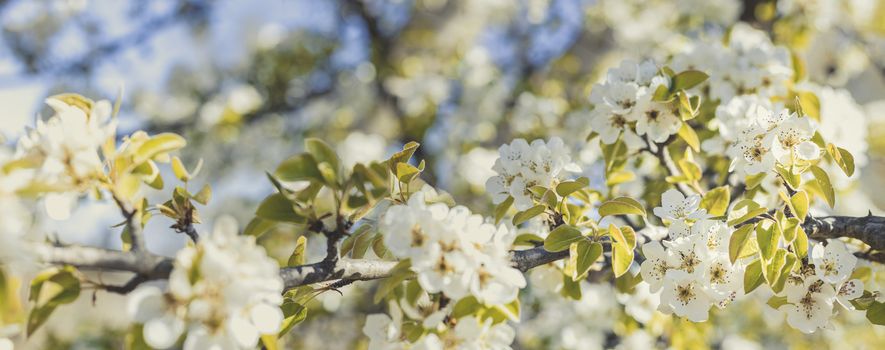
[
  {"x": 587, "y": 254},
  {"x": 823, "y": 180},
  {"x": 277, "y": 208},
  {"x": 716, "y": 201},
  {"x": 298, "y": 256},
  {"x": 691, "y": 138},
  {"x": 529, "y": 213},
  {"x": 843, "y": 158},
  {"x": 688, "y": 79},
  {"x": 621, "y": 206},
  {"x": 561, "y": 237},
  {"x": 753, "y": 276},
  {"x": 738, "y": 242}
]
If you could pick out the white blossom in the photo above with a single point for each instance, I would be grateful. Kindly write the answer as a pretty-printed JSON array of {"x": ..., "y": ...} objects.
[
  {"x": 676, "y": 207},
  {"x": 848, "y": 291},
  {"x": 833, "y": 263},
  {"x": 522, "y": 166},
  {"x": 222, "y": 293},
  {"x": 453, "y": 251},
  {"x": 684, "y": 295},
  {"x": 810, "y": 303}
]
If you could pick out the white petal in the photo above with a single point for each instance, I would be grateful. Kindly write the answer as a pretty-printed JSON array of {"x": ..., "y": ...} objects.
[
  {"x": 808, "y": 151},
  {"x": 242, "y": 331},
  {"x": 146, "y": 303},
  {"x": 266, "y": 318},
  {"x": 59, "y": 205},
  {"x": 163, "y": 332}
]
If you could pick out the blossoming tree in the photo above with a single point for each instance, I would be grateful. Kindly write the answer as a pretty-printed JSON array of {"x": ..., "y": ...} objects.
[{"x": 726, "y": 139}]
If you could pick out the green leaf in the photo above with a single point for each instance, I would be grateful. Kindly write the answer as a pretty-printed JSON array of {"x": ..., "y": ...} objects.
[
  {"x": 618, "y": 177},
  {"x": 622, "y": 258},
  {"x": 823, "y": 180},
  {"x": 258, "y": 227},
  {"x": 277, "y": 208},
  {"x": 204, "y": 195},
  {"x": 561, "y": 237},
  {"x": 800, "y": 203},
  {"x": 529, "y": 213},
  {"x": 691, "y": 138},
  {"x": 38, "y": 316},
  {"x": 745, "y": 210},
  {"x": 465, "y": 306},
  {"x": 587, "y": 254},
  {"x": 181, "y": 172},
  {"x": 570, "y": 289},
  {"x": 294, "y": 314},
  {"x": 566, "y": 188},
  {"x": 361, "y": 245},
  {"x": 767, "y": 239},
  {"x": 809, "y": 104},
  {"x": 843, "y": 158},
  {"x": 754, "y": 180},
  {"x": 876, "y": 313},
  {"x": 402, "y": 156},
  {"x": 398, "y": 274},
  {"x": 738, "y": 242},
  {"x": 502, "y": 208},
  {"x": 792, "y": 179},
  {"x": 688, "y": 79},
  {"x": 49, "y": 289},
  {"x": 753, "y": 276},
  {"x": 775, "y": 302},
  {"x": 800, "y": 243},
  {"x": 406, "y": 172},
  {"x": 716, "y": 201},
  {"x": 772, "y": 269},
  {"x": 621, "y": 206},
  {"x": 624, "y": 236},
  {"x": 322, "y": 152},
  {"x": 297, "y": 258},
  {"x": 158, "y": 145},
  {"x": 302, "y": 167}
]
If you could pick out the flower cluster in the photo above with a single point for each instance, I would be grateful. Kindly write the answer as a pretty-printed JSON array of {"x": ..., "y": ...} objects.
[
  {"x": 63, "y": 150},
  {"x": 522, "y": 166},
  {"x": 773, "y": 138},
  {"x": 453, "y": 251},
  {"x": 386, "y": 332},
  {"x": 625, "y": 98},
  {"x": 812, "y": 291},
  {"x": 747, "y": 64},
  {"x": 691, "y": 269},
  {"x": 224, "y": 292}
]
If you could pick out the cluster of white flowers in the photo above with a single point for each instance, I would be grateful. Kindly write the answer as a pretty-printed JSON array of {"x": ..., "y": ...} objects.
[
  {"x": 747, "y": 64},
  {"x": 453, "y": 251},
  {"x": 691, "y": 269},
  {"x": 625, "y": 97},
  {"x": 63, "y": 150},
  {"x": 386, "y": 332},
  {"x": 223, "y": 293},
  {"x": 522, "y": 166},
  {"x": 812, "y": 292},
  {"x": 773, "y": 138}
]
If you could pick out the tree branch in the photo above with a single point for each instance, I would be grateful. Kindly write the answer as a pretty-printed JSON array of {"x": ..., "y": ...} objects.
[{"x": 868, "y": 229}]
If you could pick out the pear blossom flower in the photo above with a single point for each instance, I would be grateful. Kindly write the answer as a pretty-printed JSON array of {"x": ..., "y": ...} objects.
[
  {"x": 453, "y": 251},
  {"x": 223, "y": 292},
  {"x": 685, "y": 296},
  {"x": 810, "y": 303},
  {"x": 676, "y": 207},
  {"x": 655, "y": 266},
  {"x": 833, "y": 263},
  {"x": 522, "y": 166},
  {"x": 848, "y": 291}
]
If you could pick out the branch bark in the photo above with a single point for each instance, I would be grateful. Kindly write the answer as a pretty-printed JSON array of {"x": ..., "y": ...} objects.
[{"x": 868, "y": 229}]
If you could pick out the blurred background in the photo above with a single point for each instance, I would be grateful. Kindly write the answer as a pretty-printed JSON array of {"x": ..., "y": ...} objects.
[{"x": 246, "y": 81}]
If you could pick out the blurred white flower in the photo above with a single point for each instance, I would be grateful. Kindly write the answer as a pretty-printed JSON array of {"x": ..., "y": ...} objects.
[
  {"x": 363, "y": 148},
  {"x": 223, "y": 292},
  {"x": 522, "y": 166}
]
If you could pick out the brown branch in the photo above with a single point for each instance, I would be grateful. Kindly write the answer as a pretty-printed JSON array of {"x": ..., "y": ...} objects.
[{"x": 868, "y": 229}]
